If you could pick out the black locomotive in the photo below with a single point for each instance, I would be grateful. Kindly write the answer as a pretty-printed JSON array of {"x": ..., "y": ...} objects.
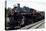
[{"x": 22, "y": 19}]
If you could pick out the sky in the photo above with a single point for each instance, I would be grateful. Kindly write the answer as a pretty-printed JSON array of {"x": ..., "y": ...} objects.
[{"x": 36, "y": 4}]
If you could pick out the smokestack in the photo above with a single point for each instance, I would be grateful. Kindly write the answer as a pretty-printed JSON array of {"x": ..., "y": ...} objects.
[{"x": 18, "y": 5}]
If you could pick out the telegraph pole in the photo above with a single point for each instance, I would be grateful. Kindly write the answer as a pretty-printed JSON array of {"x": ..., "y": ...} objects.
[{"x": 5, "y": 4}]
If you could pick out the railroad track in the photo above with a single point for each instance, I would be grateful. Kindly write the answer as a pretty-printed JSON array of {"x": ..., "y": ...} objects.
[
  {"x": 32, "y": 26},
  {"x": 35, "y": 25}
]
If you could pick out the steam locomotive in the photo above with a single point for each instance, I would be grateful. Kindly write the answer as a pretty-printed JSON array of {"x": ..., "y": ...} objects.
[{"x": 22, "y": 19}]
